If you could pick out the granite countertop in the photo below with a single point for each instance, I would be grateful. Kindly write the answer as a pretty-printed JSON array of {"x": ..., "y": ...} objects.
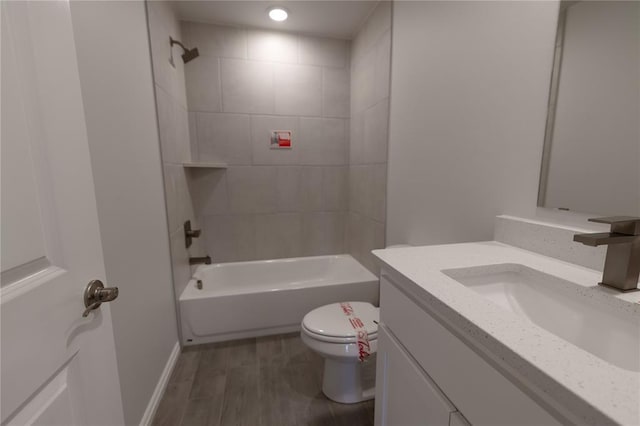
[{"x": 585, "y": 388}]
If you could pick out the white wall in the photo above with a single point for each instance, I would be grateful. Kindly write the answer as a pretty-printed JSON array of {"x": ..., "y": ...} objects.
[
  {"x": 115, "y": 69},
  {"x": 595, "y": 153},
  {"x": 470, "y": 83}
]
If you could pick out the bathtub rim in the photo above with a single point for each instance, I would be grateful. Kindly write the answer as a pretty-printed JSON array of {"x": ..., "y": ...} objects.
[
  {"x": 282, "y": 260},
  {"x": 190, "y": 291}
]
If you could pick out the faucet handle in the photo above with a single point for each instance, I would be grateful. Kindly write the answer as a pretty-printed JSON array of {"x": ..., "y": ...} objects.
[
  {"x": 190, "y": 234},
  {"x": 628, "y": 225},
  {"x": 615, "y": 219}
]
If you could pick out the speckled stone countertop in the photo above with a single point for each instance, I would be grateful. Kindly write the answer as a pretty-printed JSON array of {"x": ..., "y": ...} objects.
[{"x": 582, "y": 387}]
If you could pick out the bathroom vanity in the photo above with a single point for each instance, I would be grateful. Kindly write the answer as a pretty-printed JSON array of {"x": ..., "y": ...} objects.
[{"x": 487, "y": 333}]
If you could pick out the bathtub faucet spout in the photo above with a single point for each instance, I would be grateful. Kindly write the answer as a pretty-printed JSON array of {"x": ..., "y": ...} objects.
[{"x": 198, "y": 260}]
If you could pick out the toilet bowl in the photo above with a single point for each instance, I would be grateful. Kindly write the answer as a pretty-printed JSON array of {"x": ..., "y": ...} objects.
[{"x": 329, "y": 331}]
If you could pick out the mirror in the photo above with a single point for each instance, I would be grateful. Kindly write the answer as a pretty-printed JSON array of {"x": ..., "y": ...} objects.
[{"x": 591, "y": 157}]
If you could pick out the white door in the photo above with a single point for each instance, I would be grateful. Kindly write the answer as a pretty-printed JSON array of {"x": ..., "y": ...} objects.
[{"x": 57, "y": 368}]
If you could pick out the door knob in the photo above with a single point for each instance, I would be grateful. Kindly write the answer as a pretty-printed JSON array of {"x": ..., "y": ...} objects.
[{"x": 95, "y": 294}]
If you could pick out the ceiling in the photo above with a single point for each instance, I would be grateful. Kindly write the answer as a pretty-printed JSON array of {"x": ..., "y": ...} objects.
[{"x": 340, "y": 19}]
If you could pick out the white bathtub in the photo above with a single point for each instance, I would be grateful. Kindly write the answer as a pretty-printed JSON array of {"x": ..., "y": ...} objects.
[{"x": 249, "y": 299}]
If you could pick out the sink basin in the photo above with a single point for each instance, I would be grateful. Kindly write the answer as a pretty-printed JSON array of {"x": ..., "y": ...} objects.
[{"x": 569, "y": 310}]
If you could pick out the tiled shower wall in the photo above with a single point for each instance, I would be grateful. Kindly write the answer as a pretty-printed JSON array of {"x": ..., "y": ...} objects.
[
  {"x": 268, "y": 203},
  {"x": 171, "y": 103},
  {"x": 327, "y": 194},
  {"x": 370, "y": 71}
]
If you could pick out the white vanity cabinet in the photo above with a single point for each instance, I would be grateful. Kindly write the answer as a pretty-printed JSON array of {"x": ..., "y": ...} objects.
[
  {"x": 405, "y": 394},
  {"x": 426, "y": 375},
  {"x": 458, "y": 419}
]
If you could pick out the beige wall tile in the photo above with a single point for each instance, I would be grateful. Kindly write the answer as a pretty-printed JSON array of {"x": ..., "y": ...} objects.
[
  {"x": 183, "y": 142},
  {"x": 160, "y": 50},
  {"x": 278, "y": 235},
  {"x": 163, "y": 24},
  {"x": 179, "y": 261},
  {"x": 229, "y": 238},
  {"x": 356, "y": 140},
  {"x": 208, "y": 188},
  {"x": 252, "y": 189},
  {"x": 298, "y": 90},
  {"x": 335, "y": 188},
  {"x": 372, "y": 238},
  {"x": 368, "y": 143},
  {"x": 354, "y": 233},
  {"x": 167, "y": 126},
  {"x": 178, "y": 198},
  {"x": 357, "y": 185},
  {"x": 215, "y": 40},
  {"x": 383, "y": 67},
  {"x": 376, "y": 25},
  {"x": 311, "y": 188},
  {"x": 335, "y": 92},
  {"x": 323, "y": 51},
  {"x": 247, "y": 86},
  {"x": 290, "y": 197},
  {"x": 224, "y": 137},
  {"x": 273, "y": 46},
  {"x": 363, "y": 79},
  {"x": 323, "y": 233},
  {"x": 171, "y": 197},
  {"x": 173, "y": 124},
  {"x": 324, "y": 141},
  {"x": 203, "y": 85},
  {"x": 379, "y": 192},
  {"x": 193, "y": 136},
  {"x": 376, "y": 133}
]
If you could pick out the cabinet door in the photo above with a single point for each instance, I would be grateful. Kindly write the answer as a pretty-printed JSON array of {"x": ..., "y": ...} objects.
[
  {"x": 458, "y": 419},
  {"x": 405, "y": 396}
]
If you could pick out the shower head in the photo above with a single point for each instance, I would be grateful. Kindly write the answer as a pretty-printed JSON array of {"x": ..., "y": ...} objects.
[{"x": 189, "y": 54}]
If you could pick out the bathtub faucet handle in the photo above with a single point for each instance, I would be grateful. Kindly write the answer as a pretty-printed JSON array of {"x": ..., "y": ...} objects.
[{"x": 190, "y": 234}]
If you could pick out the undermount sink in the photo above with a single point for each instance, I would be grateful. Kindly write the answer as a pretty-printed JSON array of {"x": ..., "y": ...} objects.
[{"x": 568, "y": 310}]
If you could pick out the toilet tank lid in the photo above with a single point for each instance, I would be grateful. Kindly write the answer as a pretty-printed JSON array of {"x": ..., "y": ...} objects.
[{"x": 342, "y": 319}]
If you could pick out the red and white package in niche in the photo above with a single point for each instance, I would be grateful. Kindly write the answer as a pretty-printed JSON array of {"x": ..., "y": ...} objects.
[
  {"x": 281, "y": 139},
  {"x": 362, "y": 337}
]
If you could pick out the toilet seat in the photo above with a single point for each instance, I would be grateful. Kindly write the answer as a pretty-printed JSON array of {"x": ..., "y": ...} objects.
[
  {"x": 333, "y": 323},
  {"x": 333, "y": 339}
]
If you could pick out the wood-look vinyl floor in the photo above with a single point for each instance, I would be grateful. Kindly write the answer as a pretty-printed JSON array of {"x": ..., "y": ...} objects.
[{"x": 266, "y": 381}]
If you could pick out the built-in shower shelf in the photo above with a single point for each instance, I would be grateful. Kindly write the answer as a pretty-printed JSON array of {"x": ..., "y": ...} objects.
[{"x": 204, "y": 165}]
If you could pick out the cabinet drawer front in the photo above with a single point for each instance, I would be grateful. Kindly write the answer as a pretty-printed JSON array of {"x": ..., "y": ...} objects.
[
  {"x": 407, "y": 397},
  {"x": 480, "y": 392}
]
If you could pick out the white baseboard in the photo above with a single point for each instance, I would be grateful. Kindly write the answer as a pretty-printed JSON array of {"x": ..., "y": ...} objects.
[{"x": 158, "y": 392}]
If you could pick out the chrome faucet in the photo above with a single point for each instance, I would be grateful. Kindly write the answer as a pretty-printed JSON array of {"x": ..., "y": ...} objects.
[
  {"x": 622, "y": 264},
  {"x": 197, "y": 260}
]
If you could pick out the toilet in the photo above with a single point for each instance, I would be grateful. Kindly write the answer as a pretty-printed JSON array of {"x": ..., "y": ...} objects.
[{"x": 331, "y": 331}]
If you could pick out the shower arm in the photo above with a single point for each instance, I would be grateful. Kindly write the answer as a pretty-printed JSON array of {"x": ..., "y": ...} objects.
[{"x": 173, "y": 41}]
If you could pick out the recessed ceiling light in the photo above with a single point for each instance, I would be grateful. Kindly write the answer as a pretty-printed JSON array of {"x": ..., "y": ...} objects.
[{"x": 278, "y": 14}]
